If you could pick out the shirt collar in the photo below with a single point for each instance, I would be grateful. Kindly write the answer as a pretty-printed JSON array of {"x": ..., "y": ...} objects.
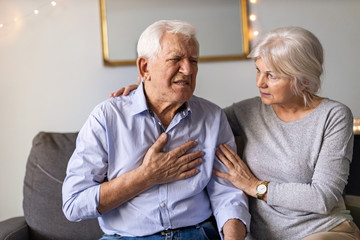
[
  {"x": 140, "y": 105},
  {"x": 139, "y": 100}
]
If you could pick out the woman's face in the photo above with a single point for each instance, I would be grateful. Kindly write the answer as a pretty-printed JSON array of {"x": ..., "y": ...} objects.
[{"x": 273, "y": 89}]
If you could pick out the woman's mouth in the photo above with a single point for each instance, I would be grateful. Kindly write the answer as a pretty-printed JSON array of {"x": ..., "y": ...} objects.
[{"x": 264, "y": 94}]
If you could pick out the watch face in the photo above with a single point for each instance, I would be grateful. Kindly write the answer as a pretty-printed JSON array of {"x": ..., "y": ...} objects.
[{"x": 261, "y": 189}]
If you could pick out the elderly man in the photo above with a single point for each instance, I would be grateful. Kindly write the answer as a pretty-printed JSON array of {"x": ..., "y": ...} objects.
[{"x": 143, "y": 163}]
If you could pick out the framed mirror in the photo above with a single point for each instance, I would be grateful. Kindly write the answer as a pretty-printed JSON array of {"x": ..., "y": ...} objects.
[{"x": 222, "y": 26}]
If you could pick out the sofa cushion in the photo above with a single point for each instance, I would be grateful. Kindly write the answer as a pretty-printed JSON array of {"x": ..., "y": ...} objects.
[
  {"x": 14, "y": 229},
  {"x": 45, "y": 172}
]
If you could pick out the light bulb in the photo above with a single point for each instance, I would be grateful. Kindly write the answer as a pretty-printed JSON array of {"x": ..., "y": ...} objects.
[
  {"x": 36, "y": 11},
  {"x": 252, "y": 17},
  {"x": 53, "y": 3},
  {"x": 253, "y": 1},
  {"x": 1, "y": 25},
  {"x": 256, "y": 33}
]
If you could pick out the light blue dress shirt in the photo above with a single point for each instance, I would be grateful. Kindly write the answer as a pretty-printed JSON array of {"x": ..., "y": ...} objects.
[{"x": 114, "y": 140}]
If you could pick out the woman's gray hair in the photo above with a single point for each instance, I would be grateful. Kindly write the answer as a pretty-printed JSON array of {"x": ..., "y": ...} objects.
[
  {"x": 149, "y": 44},
  {"x": 294, "y": 53}
]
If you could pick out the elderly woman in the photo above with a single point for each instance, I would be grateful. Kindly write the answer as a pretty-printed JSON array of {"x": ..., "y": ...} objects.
[{"x": 295, "y": 146}]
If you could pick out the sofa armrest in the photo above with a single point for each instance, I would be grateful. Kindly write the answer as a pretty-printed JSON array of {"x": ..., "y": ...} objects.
[
  {"x": 14, "y": 229},
  {"x": 353, "y": 204}
]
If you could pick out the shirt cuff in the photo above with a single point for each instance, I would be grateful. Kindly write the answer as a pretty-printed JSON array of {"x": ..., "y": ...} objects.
[{"x": 232, "y": 212}]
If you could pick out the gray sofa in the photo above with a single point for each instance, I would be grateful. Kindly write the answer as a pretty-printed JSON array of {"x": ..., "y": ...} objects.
[
  {"x": 43, "y": 217},
  {"x": 45, "y": 171}
]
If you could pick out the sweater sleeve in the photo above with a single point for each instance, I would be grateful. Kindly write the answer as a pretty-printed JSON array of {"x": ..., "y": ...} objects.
[
  {"x": 232, "y": 119},
  {"x": 331, "y": 170}
]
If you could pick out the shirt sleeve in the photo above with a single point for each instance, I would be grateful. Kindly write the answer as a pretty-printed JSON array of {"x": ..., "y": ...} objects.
[
  {"x": 227, "y": 201},
  {"x": 331, "y": 171},
  {"x": 86, "y": 171}
]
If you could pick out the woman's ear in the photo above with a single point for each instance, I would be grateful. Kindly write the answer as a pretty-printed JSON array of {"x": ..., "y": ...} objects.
[{"x": 143, "y": 67}]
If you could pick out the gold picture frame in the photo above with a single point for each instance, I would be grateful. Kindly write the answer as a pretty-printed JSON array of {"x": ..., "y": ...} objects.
[{"x": 222, "y": 39}]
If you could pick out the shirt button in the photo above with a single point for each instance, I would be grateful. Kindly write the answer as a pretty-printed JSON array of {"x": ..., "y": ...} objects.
[{"x": 162, "y": 204}]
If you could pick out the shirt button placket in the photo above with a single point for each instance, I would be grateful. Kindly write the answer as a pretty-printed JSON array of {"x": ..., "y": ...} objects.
[{"x": 163, "y": 207}]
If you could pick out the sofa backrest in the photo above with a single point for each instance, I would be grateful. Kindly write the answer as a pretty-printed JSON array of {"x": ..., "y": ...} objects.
[
  {"x": 352, "y": 187},
  {"x": 45, "y": 172}
]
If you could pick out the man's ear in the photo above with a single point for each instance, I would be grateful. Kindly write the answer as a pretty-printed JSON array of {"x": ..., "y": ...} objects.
[{"x": 143, "y": 67}]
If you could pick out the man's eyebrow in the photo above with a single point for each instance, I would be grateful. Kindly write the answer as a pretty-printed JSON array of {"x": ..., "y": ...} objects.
[{"x": 177, "y": 54}]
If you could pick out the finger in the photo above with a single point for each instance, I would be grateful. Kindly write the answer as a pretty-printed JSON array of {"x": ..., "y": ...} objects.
[
  {"x": 221, "y": 174},
  {"x": 224, "y": 160},
  {"x": 127, "y": 91},
  {"x": 186, "y": 158},
  {"x": 188, "y": 174},
  {"x": 230, "y": 150},
  {"x": 186, "y": 166},
  {"x": 129, "y": 88},
  {"x": 159, "y": 143},
  {"x": 112, "y": 95},
  {"x": 117, "y": 93},
  {"x": 229, "y": 153},
  {"x": 182, "y": 149}
]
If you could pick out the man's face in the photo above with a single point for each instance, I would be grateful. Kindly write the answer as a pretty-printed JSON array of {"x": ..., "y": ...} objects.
[{"x": 173, "y": 72}]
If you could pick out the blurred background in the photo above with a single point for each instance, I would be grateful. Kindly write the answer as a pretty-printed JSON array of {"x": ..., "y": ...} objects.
[{"x": 52, "y": 72}]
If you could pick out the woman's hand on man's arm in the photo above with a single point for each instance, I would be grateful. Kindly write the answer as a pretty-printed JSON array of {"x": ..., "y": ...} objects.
[{"x": 126, "y": 90}]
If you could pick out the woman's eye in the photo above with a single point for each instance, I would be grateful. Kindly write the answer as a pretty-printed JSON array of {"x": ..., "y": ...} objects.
[{"x": 270, "y": 76}]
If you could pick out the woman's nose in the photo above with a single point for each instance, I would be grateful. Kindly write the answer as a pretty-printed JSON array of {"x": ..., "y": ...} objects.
[{"x": 260, "y": 80}]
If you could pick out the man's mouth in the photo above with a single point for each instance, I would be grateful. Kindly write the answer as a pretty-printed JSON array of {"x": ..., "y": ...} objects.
[{"x": 182, "y": 82}]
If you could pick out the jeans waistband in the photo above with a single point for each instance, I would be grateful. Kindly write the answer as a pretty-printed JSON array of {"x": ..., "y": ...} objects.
[{"x": 183, "y": 228}]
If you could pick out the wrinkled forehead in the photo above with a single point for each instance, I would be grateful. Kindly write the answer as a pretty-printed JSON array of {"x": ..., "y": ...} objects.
[{"x": 179, "y": 45}]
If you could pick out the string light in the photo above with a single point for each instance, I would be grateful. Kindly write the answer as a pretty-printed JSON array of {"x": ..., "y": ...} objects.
[
  {"x": 35, "y": 12},
  {"x": 356, "y": 126},
  {"x": 252, "y": 17}
]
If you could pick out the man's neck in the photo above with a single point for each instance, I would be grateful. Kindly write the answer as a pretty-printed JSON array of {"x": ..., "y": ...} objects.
[{"x": 164, "y": 111}]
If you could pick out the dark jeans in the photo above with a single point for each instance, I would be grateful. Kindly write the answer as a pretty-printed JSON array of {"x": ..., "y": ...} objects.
[{"x": 202, "y": 231}]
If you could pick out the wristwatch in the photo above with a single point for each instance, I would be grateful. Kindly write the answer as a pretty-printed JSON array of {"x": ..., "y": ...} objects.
[{"x": 261, "y": 190}]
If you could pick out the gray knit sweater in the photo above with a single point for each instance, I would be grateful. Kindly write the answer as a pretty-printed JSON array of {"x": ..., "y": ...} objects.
[{"x": 306, "y": 161}]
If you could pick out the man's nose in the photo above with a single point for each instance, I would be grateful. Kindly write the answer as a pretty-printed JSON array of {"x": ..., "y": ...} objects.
[{"x": 186, "y": 67}]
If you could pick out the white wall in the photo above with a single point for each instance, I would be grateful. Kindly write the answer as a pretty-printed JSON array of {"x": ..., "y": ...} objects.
[{"x": 51, "y": 71}]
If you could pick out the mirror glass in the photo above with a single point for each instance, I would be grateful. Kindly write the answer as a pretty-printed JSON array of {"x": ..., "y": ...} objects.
[{"x": 222, "y": 26}]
